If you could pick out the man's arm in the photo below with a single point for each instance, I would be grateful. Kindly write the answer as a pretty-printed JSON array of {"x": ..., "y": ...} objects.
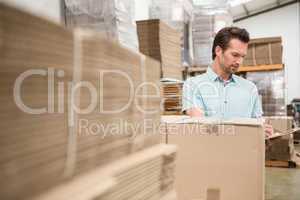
[
  {"x": 195, "y": 112},
  {"x": 190, "y": 104},
  {"x": 258, "y": 112}
]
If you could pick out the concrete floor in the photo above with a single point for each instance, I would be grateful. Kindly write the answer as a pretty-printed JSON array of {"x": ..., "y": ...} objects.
[{"x": 282, "y": 183}]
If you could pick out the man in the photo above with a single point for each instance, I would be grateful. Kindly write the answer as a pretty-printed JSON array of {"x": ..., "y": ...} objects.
[{"x": 219, "y": 92}]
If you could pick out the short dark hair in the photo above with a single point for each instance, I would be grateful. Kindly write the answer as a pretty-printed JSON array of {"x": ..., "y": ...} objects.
[{"x": 224, "y": 36}]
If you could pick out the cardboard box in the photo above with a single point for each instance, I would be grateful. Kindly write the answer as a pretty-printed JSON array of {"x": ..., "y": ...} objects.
[
  {"x": 271, "y": 87},
  {"x": 221, "y": 160},
  {"x": 264, "y": 51},
  {"x": 280, "y": 148},
  {"x": 280, "y": 123},
  {"x": 297, "y": 135}
]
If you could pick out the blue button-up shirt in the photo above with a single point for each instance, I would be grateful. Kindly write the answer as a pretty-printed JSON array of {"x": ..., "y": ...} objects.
[{"x": 234, "y": 98}]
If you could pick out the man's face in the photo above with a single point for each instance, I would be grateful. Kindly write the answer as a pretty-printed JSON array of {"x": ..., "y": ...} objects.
[{"x": 231, "y": 59}]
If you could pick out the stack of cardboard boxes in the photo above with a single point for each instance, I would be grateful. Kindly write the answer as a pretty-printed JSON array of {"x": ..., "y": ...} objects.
[
  {"x": 207, "y": 21},
  {"x": 203, "y": 34},
  {"x": 271, "y": 84},
  {"x": 271, "y": 88},
  {"x": 178, "y": 15},
  {"x": 161, "y": 42},
  {"x": 280, "y": 148},
  {"x": 264, "y": 51},
  {"x": 73, "y": 116},
  {"x": 172, "y": 98}
]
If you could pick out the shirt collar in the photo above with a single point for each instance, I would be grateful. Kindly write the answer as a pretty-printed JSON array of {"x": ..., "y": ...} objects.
[{"x": 214, "y": 77}]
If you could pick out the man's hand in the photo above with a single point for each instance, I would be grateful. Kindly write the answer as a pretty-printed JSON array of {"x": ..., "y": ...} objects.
[
  {"x": 195, "y": 112},
  {"x": 268, "y": 129}
]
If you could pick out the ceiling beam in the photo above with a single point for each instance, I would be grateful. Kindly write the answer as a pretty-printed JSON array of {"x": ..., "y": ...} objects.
[
  {"x": 245, "y": 9},
  {"x": 278, "y": 2},
  {"x": 281, "y": 5}
]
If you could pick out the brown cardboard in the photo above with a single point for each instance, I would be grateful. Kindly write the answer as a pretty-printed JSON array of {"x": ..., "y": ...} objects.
[
  {"x": 161, "y": 42},
  {"x": 215, "y": 164},
  {"x": 297, "y": 135},
  {"x": 172, "y": 97},
  {"x": 264, "y": 51},
  {"x": 272, "y": 92},
  {"x": 39, "y": 151},
  {"x": 33, "y": 146},
  {"x": 280, "y": 123},
  {"x": 280, "y": 148},
  {"x": 141, "y": 175}
]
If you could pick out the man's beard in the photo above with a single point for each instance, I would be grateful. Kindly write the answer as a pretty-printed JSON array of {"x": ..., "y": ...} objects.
[
  {"x": 230, "y": 69},
  {"x": 233, "y": 69}
]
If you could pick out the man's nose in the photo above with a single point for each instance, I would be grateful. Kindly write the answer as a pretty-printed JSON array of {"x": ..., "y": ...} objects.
[{"x": 239, "y": 61}]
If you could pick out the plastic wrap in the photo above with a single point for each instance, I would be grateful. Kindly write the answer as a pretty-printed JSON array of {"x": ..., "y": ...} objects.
[
  {"x": 171, "y": 12},
  {"x": 212, "y": 4},
  {"x": 178, "y": 15},
  {"x": 207, "y": 21},
  {"x": 114, "y": 18},
  {"x": 271, "y": 88}
]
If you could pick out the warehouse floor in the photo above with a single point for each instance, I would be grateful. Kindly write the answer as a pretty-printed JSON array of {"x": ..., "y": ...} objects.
[{"x": 282, "y": 183}]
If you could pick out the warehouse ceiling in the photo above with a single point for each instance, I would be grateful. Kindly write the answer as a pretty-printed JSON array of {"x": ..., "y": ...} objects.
[
  {"x": 242, "y": 9},
  {"x": 255, "y": 7}
]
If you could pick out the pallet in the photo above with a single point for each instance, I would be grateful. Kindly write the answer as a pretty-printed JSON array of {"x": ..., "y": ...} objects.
[{"x": 284, "y": 164}]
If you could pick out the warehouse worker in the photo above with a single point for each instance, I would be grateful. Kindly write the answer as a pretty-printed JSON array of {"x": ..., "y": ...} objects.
[{"x": 219, "y": 92}]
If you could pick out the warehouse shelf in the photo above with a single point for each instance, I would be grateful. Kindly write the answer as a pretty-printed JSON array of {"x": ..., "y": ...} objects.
[
  {"x": 261, "y": 68},
  {"x": 242, "y": 68},
  {"x": 196, "y": 69},
  {"x": 193, "y": 71}
]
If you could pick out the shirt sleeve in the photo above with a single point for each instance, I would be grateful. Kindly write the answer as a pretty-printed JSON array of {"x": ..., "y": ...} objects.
[
  {"x": 189, "y": 96},
  {"x": 257, "y": 111}
]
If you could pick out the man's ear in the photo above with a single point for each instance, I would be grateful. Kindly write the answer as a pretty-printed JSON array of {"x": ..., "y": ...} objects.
[{"x": 218, "y": 51}]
